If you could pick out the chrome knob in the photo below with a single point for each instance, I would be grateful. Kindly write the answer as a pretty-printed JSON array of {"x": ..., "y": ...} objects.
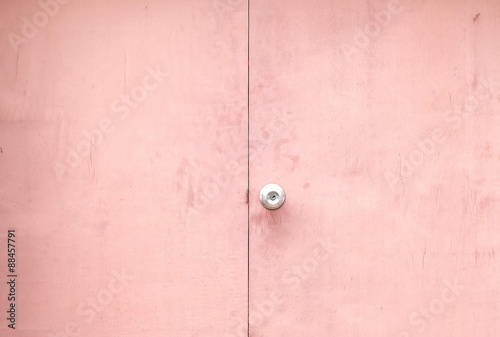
[{"x": 272, "y": 196}]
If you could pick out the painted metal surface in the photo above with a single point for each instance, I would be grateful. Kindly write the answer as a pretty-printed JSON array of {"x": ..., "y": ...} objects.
[
  {"x": 123, "y": 128},
  {"x": 119, "y": 121},
  {"x": 380, "y": 120}
]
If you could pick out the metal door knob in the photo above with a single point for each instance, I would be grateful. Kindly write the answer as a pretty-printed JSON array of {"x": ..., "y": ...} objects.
[{"x": 272, "y": 196}]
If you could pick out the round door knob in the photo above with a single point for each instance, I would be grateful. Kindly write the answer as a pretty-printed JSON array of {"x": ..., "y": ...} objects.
[{"x": 272, "y": 196}]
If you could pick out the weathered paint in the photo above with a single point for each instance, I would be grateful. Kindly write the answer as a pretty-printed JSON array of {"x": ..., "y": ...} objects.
[
  {"x": 389, "y": 228},
  {"x": 133, "y": 205},
  {"x": 366, "y": 245}
]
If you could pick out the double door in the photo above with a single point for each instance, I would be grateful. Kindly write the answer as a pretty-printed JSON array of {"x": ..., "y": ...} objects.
[{"x": 136, "y": 136}]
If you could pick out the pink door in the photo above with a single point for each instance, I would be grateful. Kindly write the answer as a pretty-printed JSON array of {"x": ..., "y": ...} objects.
[
  {"x": 127, "y": 146},
  {"x": 119, "y": 122},
  {"x": 390, "y": 163}
]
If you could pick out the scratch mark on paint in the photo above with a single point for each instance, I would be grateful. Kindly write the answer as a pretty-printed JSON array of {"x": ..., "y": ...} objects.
[
  {"x": 125, "y": 72},
  {"x": 17, "y": 68},
  {"x": 271, "y": 218},
  {"x": 90, "y": 154},
  {"x": 401, "y": 177},
  {"x": 423, "y": 255}
]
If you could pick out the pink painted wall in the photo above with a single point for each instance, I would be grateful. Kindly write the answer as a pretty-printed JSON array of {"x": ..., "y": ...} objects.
[{"x": 123, "y": 152}]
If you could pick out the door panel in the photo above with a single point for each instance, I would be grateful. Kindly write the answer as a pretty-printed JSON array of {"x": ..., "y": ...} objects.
[
  {"x": 389, "y": 162},
  {"x": 119, "y": 124}
]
